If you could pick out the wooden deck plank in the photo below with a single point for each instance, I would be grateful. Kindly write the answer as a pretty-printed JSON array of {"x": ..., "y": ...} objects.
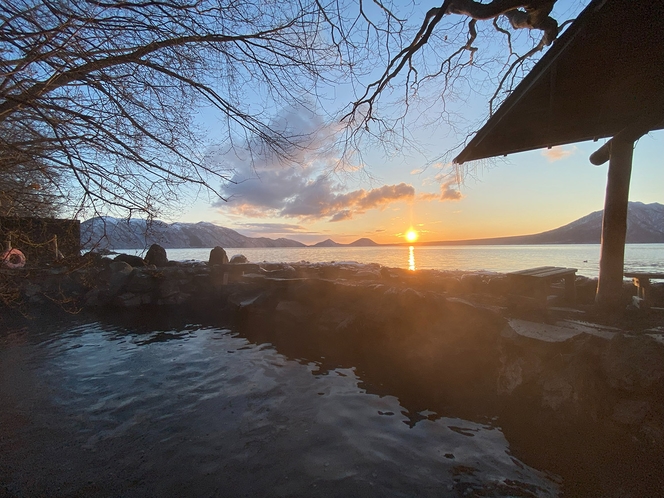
[
  {"x": 529, "y": 271},
  {"x": 556, "y": 272},
  {"x": 655, "y": 276},
  {"x": 545, "y": 272}
]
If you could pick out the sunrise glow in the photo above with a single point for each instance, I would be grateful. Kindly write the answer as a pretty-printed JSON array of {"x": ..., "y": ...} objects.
[{"x": 411, "y": 235}]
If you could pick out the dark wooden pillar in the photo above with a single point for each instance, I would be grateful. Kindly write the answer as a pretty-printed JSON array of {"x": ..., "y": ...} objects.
[{"x": 614, "y": 224}]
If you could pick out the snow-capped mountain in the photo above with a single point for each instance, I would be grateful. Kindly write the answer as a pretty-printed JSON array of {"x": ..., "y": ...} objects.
[
  {"x": 645, "y": 223},
  {"x": 113, "y": 233}
]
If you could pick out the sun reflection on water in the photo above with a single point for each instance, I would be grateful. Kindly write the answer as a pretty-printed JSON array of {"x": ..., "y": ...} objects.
[{"x": 411, "y": 258}]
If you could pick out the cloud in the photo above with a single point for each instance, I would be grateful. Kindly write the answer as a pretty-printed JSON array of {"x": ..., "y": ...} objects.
[
  {"x": 275, "y": 228},
  {"x": 557, "y": 153},
  {"x": 264, "y": 185},
  {"x": 428, "y": 197},
  {"x": 342, "y": 215},
  {"x": 449, "y": 191},
  {"x": 321, "y": 198}
]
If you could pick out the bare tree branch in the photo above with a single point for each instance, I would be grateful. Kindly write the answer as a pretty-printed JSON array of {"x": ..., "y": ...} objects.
[{"x": 522, "y": 14}]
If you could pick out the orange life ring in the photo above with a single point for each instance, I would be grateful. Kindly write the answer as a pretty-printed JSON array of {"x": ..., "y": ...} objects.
[{"x": 12, "y": 258}]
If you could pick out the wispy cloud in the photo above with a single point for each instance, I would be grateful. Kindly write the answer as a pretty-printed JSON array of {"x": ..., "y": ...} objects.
[
  {"x": 275, "y": 228},
  {"x": 427, "y": 196},
  {"x": 558, "y": 152},
  {"x": 342, "y": 215},
  {"x": 263, "y": 185},
  {"x": 449, "y": 191}
]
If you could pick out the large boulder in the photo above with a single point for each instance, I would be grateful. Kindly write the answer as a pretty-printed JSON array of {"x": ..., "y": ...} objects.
[
  {"x": 135, "y": 261},
  {"x": 239, "y": 259},
  {"x": 156, "y": 256},
  {"x": 218, "y": 257}
]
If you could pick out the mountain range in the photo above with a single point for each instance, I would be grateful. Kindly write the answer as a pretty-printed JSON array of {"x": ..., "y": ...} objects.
[
  {"x": 113, "y": 233},
  {"x": 645, "y": 224},
  {"x": 363, "y": 242}
]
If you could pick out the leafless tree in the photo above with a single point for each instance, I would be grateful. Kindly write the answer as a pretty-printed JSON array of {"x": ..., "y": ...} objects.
[
  {"x": 103, "y": 94},
  {"x": 447, "y": 58},
  {"x": 30, "y": 189}
]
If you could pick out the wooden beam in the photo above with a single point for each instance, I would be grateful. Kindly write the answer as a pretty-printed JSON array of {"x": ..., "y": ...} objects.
[
  {"x": 633, "y": 132},
  {"x": 614, "y": 224}
]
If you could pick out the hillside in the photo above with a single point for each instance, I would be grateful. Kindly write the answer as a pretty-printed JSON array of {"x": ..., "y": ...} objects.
[
  {"x": 326, "y": 243},
  {"x": 113, "y": 233},
  {"x": 645, "y": 224},
  {"x": 363, "y": 242}
]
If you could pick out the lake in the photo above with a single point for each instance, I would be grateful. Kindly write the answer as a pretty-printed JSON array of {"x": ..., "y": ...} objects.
[{"x": 494, "y": 258}]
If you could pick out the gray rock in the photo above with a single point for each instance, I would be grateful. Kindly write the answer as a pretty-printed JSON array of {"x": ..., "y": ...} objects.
[
  {"x": 94, "y": 298},
  {"x": 239, "y": 258},
  {"x": 293, "y": 309},
  {"x": 367, "y": 274},
  {"x": 168, "y": 287},
  {"x": 634, "y": 363},
  {"x": 156, "y": 256},
  {"x": 218, "y": 257},
  {"x": 499, "y": 285},
  {"x": 471, "y": 282},
  {"x": 386, "y": 273},
  {"x": 140, "y": 282},
  {"x": 176, "y": 299},
  {"x": 244, "y": 300},
  {"x": 132, "y": 260},
  {"x": 120, "y": 267},
  {"x": 128, "y": 300},
  {"x": 120, "y": 272}
]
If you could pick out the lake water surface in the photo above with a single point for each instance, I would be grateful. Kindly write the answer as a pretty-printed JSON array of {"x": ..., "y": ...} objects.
[
  {"x": 146, "y": 409},
  {"x": 496, "y": 258}
]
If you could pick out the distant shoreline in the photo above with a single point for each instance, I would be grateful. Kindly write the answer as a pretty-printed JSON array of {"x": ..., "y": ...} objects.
[
  {"x": 473, "y": 242},
  {"x": 645, "y": 226}
]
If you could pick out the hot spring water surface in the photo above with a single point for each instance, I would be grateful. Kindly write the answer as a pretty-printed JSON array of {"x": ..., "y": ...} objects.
[{"x": 109, "y": 410}]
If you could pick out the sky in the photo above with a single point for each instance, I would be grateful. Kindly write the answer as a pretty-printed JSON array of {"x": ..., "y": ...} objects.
[{"x": 383, "y": 195}]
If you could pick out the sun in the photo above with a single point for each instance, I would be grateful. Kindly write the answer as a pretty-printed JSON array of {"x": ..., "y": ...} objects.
[{"x": 411, "y": 235}]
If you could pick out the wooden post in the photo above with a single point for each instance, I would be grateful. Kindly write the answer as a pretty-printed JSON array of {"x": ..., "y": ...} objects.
[
  {"x": 58, "y": 254},
  {"x": 614, "y": 224}
]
